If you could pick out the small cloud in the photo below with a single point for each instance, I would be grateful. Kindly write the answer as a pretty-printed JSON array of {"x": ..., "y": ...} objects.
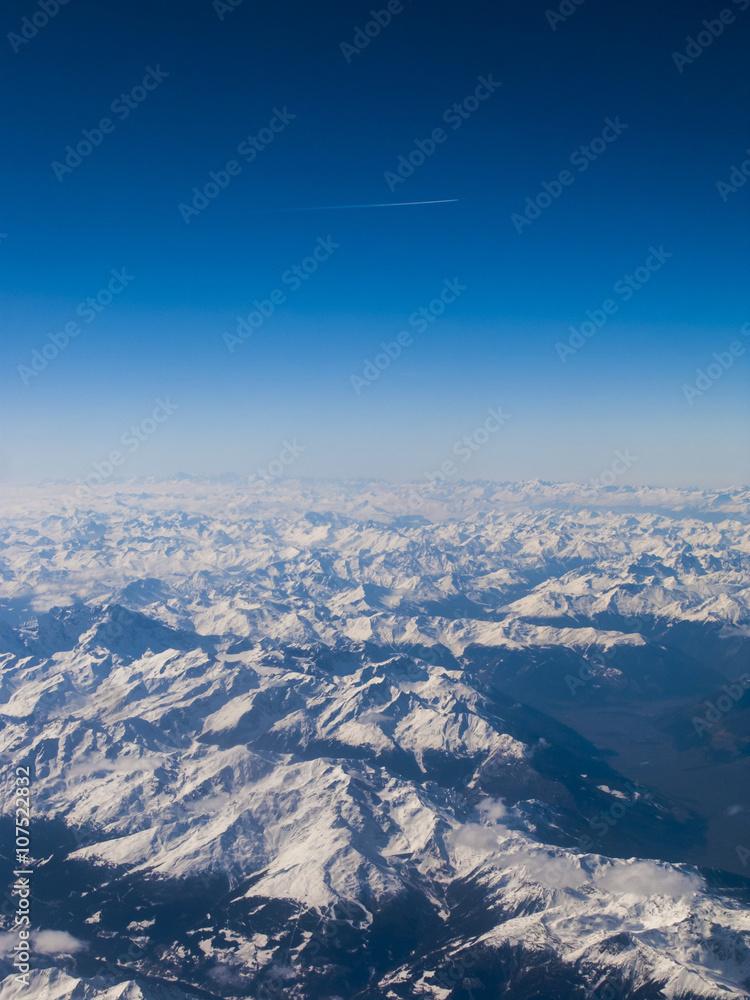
[
  {"x": 44, "y": 943},
  {"x": 224, "y": 975},
  {"x": 734, "y": 810},
  {"x": 475, "y": 836},
  {"x": 56, "y": 943},
  {"x": 374, "y": 718},
  {"x": 555, "y": 872},
  {"x": 483, "y": 837},
  {"x": 493, "y": 810},
  {"x": 646, "y": 878}
]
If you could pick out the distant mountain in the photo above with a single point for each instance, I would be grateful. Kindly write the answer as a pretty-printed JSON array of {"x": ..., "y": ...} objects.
[{"x": 323, "y": 740}]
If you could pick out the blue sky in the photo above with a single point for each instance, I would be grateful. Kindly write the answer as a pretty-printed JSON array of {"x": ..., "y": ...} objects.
[{"x": 199, "y": 80}]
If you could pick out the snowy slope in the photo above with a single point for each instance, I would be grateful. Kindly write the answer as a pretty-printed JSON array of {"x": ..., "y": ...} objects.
[{"x": 248, "y": 709}]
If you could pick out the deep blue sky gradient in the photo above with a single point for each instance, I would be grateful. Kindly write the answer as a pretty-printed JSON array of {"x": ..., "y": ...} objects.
[{"x": 163, "y": 336}]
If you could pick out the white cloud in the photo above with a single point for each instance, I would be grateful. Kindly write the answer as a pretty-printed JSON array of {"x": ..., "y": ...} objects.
[
  {"x": 646, "y": 878},
  {"x": 56, "y": 943},
  {"x": 475, "y": 836},
  {"x": 44, "y": 943},
  {"x": 493, "y": 810},
  {"x": 547, "y": 869}
]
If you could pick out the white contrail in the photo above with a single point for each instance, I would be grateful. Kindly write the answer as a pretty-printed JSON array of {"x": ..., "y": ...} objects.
[{"x": 386, "y": 204}]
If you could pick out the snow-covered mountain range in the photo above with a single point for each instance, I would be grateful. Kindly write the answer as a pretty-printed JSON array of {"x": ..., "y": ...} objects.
[{"x": 311, "y": 740}]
